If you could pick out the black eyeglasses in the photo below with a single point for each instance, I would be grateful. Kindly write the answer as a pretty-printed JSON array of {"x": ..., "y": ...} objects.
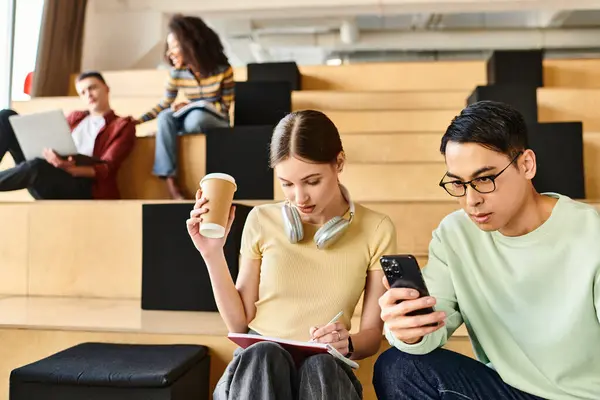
[{"x": 482, "y": 184}]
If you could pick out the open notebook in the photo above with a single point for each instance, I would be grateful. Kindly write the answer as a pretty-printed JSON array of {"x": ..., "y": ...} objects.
[
  {"x": 299, "y": 350},
  {"x": 200, "y": 105}
]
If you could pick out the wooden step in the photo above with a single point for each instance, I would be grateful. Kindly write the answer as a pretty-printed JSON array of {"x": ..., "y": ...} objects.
[
  {"x": 390, "y": 182},
  {"x": 363, "y": 101},
  {"x": 118, "y": 315},
  {"x": 24, "y": 346},
  {"x": 556, "y": 105},
  {"x": 136, "y": 180},
  {"x": 392, "y": 147},
  {"x": 572, "y": 73},
  {"x": 391, "y": 121},
  {"x": 34, "y": 328},
  {"x": 52, "y": 247},
  {"x": 441, "y": 75}
]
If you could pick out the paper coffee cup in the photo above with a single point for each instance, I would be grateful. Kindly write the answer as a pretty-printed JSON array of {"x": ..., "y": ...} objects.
[{"x": 218, "y": 189}]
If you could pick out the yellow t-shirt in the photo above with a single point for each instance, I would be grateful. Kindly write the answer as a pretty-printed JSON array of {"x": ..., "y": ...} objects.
[{"x": 302, "y": 286}]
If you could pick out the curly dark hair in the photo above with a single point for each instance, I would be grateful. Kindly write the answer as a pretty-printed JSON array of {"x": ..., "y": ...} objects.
[{"x": 201, "y": 47}]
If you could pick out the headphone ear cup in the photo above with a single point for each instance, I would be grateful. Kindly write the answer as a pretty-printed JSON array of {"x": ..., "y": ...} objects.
[
  {"x": 292, "y": 224},
  {"x": 329, "y": 233}
]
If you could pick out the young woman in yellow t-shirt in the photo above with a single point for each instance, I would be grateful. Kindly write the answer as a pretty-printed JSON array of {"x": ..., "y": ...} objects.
[{"x": 302, "y": 262}]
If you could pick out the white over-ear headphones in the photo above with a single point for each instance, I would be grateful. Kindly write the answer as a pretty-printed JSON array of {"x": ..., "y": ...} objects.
[{"x": 328, "y": 234}]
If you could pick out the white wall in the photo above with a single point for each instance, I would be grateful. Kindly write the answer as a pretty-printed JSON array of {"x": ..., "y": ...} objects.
[
  {"x": 122, "y": 39},
  {"x": 129, "y": 34}
]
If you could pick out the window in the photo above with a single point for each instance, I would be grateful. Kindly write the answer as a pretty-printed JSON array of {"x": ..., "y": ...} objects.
[{"x": 28, "y": 21}]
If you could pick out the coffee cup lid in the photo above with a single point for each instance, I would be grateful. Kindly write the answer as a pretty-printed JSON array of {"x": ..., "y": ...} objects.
[{"x": 219, "y": 175}]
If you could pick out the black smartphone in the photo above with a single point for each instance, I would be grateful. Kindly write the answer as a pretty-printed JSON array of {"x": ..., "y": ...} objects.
[{"x": 402, "y": 271}]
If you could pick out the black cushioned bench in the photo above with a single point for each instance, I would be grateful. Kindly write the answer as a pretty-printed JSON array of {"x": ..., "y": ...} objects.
[{"x": 103, "y": 371}]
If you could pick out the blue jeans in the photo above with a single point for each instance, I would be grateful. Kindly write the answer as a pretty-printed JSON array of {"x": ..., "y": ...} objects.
[
  {"x": 169, "y": 127},
  {"x": 440, "y": 375}
]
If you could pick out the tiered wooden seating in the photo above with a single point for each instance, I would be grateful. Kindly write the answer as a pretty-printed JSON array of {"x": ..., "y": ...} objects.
[
  {"x": 377, "y": 101},
  {"x": 72, "y": 271}
]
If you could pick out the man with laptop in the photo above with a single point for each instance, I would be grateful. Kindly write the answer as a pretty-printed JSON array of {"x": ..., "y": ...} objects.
[{"x": 73, "y": 158}]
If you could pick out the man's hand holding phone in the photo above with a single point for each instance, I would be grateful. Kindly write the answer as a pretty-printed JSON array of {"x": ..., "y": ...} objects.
[{"x": 396, "y": 303}]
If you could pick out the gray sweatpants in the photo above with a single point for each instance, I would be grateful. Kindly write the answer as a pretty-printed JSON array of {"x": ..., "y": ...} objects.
[{"x": 265, "y": 371}]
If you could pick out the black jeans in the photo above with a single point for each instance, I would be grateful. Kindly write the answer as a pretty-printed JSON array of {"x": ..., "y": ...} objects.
[
  {"x": 42, "y": 180},
  {"x": 439, "y": 375},
  {"x": 266, "y": 371}
]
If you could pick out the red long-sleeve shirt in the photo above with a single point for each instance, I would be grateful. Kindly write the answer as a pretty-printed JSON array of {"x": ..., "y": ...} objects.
[{"x": 113, "y": 144}]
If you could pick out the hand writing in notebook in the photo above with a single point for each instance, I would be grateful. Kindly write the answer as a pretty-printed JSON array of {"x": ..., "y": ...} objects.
[{"x": 334, "y": 333}]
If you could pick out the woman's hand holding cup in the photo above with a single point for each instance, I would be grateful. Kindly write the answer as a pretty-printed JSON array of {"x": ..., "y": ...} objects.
[
  {"x": 209, "y": 224},
  {"x": 205, "y": 245}
]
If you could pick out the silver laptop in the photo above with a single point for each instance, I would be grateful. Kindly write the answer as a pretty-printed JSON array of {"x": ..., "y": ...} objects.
[{"x": 36, "y": 132}]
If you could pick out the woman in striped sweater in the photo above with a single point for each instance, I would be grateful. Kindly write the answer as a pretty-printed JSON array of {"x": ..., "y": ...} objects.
[{"x": 199, "y": 68}]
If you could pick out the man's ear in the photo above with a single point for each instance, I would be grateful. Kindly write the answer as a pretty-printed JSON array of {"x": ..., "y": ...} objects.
[{"x": 528, "y": 164}]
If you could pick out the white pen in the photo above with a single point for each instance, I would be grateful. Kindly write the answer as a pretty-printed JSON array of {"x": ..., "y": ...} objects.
[{"x": 333, "y": 320}]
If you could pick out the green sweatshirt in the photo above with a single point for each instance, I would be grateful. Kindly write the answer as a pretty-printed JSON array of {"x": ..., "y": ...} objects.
[{"x": 531, "y": 304}]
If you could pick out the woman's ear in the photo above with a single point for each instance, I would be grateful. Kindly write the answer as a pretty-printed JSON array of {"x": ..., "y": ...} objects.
[{"x": 340, "y": 161}]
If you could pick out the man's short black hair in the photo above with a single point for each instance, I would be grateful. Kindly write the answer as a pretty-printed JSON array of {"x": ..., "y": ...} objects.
[
  {"x": 493, "y": 125},
  {"x": 90, "y": 74}
]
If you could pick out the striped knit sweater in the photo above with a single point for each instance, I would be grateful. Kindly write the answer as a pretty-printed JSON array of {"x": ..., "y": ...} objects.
[{"x": 217, "y": 89}]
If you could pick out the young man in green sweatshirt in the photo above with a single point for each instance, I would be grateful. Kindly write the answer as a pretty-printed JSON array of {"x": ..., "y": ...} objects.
[{"x": 519, "y": 268}]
